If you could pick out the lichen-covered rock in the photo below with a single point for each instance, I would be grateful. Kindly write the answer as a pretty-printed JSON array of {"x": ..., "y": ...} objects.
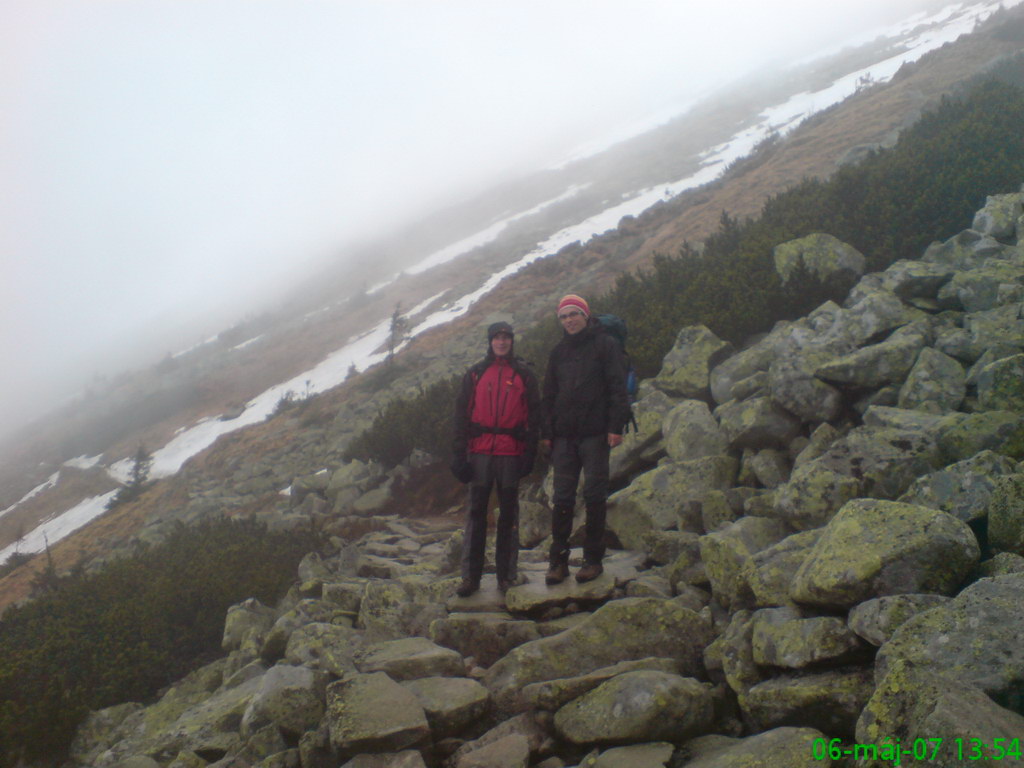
[
  {"x": 876, "y": 462},
  {"x": 685, "y": 371},
  {"x": 963, "y": 489},
  {"x": 691, "y": 432},
  {"x": 769, "y": 573},
  {"x": 981, "y": 289},
  {"x": 631, "y": 628},
  {"x": 407, "y": 758},
  {"x": 1001, "y": 385},
  {"x": 790, "y": 747},
  {"x": 644, "y": 446},
  {"x": 639, "y": 706},
  {"x": 551, "y": 695},
  {"x": 962, "y": 435},
  {"x": 965, "y": 250},
  {"x": 793, "y": 386},
  {"x": 450, "y": 703},
  {"x": 999, "y": 217},
  {"x": 916, "y": 279},
  {"x": 652, "y": 502},
  {"x": 770, "y": 467},
  {"x": 290, "y": 698},
  {"x": 732, "y": 654},
  {"x": 875, "y": 620},
  {"x": 485, "y": 637},
  {"x": 936, "y": 383},
  {"x": 654, "y": 755},
  {"x": 873, "y": 548},
  {"x": 830, "y": 701},
  {"x": 328, "y": 647},
  {"x": 410, "y": 659},
  {"x": 1006, "y": 515},
  {"x": 975, "y": 637},
  {"x": 756, "y": 423},
  {"x": 911, "y": 703},
  {"x": 725, "y": 553},
  {"x": 532, "y": 735},
  {"x": 373, "y": 713},
  {"x": 98, "y": 731},
  {"x": 783, "y": 638},
  {"x": 822, "y": 255},
  {"x": 305, "y": 612},
  {"x": 246, "y": 625},
  {"x": 512, "y": 751}
]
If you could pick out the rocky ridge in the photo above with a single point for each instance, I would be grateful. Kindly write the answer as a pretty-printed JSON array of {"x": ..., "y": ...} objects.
[{"x": 819, "y": 536}]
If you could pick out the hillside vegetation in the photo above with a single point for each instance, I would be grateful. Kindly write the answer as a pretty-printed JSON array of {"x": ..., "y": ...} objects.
[
  {"x": 90, "y": 641},
  {"x": 889, "y": 207}
]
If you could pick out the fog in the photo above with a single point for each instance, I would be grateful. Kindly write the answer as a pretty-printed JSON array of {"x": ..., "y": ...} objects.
[{"x": 170, "y": 165}]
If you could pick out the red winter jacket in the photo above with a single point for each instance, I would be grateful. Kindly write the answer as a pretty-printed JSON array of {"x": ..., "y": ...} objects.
[{"x": 498, "y": 409}]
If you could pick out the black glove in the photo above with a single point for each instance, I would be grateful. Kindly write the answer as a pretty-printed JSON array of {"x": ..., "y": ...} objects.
[{"x": 462, "y": 469}]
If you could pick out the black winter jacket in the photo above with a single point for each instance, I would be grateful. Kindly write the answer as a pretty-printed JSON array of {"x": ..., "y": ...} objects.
[{"x": 585, "y": 386}]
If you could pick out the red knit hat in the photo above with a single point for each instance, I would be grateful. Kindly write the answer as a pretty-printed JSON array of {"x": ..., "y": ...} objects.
[{"x": 572, "y": 300}]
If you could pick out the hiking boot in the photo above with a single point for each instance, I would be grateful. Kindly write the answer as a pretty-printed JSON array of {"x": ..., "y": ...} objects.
[
  {"x": 557, "y": 573},
  {"x": 467, "y": 588},
  {"x": 589, "y": 572}
]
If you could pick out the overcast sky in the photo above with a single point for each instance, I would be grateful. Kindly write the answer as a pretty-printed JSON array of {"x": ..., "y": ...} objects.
[{"x": 159, "y": 158}]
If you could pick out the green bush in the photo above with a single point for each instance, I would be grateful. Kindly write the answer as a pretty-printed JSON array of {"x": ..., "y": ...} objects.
[{"x": 139, "y": 623}]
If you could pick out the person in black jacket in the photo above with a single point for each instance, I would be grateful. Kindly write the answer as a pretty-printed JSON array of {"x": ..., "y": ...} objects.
[
  {"x": 497, "y": 418},
  {"x": 585, "y": 408}
]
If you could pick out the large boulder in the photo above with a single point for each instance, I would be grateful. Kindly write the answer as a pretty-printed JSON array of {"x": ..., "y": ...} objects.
[
  {"x": 793, "y": 386},
  {"x": 686, "y": 369},
  {"x": 291, "y": 698},
  {"x": 726, "y": 552},
  {"x": 631, "y": 628},
  {"x": 1006, "y": 515},
  {"x": 636, "y": 707},
  {"x": 410, "y": 659},
  {"x": 691, "y": 432},
  {"x": 1000, "y": 385},
  {"x": 327, "y": 647},
  {"x": 937, "y": 383},
  {"x": 829, "y": 700},
  {"x": 1000, "y": 215},
  {"x": 984, "y": 287},
  {"x": 873, "y": 548},
  {"x": 876, "y": 462},
  {"x": 757, "y": 423},
  {"x": 769, "y": 573},
  {"x": 655, "y": 500},
  {"x": 373, "y": 713},
  {"x": 963, "y": 489},
  {"x": 246, "y": 625},
  {"x": 875, "y": 620},
  {"x": 552, "y": 695},
  {"x": 782, "y": 637},
  {"x": 485, "y": 637},
  {"x": 825, "y": 257},
  {"x": 450, "y": 703},
  {"x": 644, "y": 446},
  {"x": 790, "y": 747},
  {"x": 910, "y": 279},
  {"x": 876, "y": 365}
]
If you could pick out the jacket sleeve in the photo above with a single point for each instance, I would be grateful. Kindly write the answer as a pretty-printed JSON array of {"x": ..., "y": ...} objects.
[
  {"x": 533, "y": 410},
  {"x": 460, "y": 422},
  {"x": 615, "y": 383},
  {"x": 547, "y": 403}
]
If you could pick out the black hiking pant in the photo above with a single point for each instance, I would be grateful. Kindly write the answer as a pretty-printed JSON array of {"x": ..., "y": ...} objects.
[
  {"x": 488, "y": 472},
  {"x": 570, "y": 457}
]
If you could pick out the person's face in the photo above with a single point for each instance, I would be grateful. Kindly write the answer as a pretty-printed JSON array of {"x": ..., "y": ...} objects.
[
  {"x": 501, "y": 344},
  {"x": 573, "y": 321}
]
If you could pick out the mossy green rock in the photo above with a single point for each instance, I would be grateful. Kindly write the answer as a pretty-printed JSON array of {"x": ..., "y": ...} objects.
[
  {"x": 769, "y": 573},
  {"x": 875, "y": 620},
  {"x": 756, "y": 423},
  {"x": 686, "y": 369},
  {"x": 1001, "y": 385},
  {"x": 963, "y": 489},
  {"x": 726, "y": 552},
  {"x": 643, "y": 446},
  {"x": 963, "y": 435},
  {"x": 484, "y": 636},
  {"x": 328, "y": 647},
  {"x": 373, "y": 713},
  {"x": 783, "y": 638},
  {"x": 875, "y": 365},
  {"x": 873, "y": 548},
  {"x": 937, "y": 383},
  {"x": 450, "y": 703},
  {"x": 656, "y": 755},
  {"x": 830, "y": 701},
  {"x": 552, "y": 695},
  {"x": 290, "y": 698},
  {"x": 789, "y": 747},
  {"x": 998, "y": 218},
  {"x": 975, "y": 637},
  {"x": 636, "y": 707},
  {"x": 409, "y": 659},
  {"x": 630, "y": 628},
  {"x": 1006, "y": 515},
  {"x": 912, "y": 703},
  {"x": 732, "y": 652},
  {"x": 822, "y": 255},
  {"x": 978, "y": 290},
  {"x": 691, "y": 432}
]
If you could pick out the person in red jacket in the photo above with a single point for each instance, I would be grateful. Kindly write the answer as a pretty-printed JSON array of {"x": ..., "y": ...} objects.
[{"x": 497, "y": 420}]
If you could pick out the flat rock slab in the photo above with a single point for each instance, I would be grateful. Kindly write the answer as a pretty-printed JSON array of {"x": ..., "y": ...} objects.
[
  {"x": 410, "y": 659},
  {"x": 619, "y": 569}
]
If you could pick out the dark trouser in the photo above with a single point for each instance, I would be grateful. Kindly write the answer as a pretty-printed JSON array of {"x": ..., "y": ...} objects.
[
  {"x": 489, "y": 471},
  {"x": 569, "y": 457}
]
